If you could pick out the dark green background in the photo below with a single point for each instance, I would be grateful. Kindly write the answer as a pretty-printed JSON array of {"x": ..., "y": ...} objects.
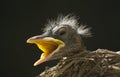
[{"x": 21, "y": 19}]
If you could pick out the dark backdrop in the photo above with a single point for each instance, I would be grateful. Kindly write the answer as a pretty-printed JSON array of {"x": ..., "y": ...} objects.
[{"x": 21, "y": 19}]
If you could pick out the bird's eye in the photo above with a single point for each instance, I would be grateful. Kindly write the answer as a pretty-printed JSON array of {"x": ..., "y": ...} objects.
[{"x": 62, "y": 31}]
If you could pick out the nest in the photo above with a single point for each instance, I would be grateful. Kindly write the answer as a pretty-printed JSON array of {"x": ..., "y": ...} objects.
[{"x": 99, "y": 63}]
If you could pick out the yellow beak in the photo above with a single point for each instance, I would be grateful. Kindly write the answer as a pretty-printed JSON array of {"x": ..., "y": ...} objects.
[{"x": 47, "y": 45}]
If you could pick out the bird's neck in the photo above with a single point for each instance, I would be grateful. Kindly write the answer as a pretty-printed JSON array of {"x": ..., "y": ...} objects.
[{"x": 74, "y": 49}]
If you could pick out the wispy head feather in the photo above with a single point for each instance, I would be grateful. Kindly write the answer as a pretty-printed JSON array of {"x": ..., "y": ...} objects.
[
  {"x": 84, "y": 31},
  {"x": 70, "y": 20}
]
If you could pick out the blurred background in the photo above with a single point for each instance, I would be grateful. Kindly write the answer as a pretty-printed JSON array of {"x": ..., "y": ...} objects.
[{"x": 21, "y": 19}]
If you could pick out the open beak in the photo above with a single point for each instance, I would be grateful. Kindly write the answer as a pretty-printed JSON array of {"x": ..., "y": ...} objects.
[{"x": 48, "y": 45}]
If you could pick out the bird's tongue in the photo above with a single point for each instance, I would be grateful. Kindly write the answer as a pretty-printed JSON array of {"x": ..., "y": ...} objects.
[{"x": 47, "y": 45}]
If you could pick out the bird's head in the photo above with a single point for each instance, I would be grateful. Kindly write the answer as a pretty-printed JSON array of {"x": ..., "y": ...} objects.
[{"x": 61, "y": 38}]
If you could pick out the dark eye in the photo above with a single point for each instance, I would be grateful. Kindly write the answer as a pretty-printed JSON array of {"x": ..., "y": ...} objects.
[{"x": 62, "y": 31}]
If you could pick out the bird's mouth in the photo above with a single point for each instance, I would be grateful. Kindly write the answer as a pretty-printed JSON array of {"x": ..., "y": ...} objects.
[{"x": 48, "y": 45}]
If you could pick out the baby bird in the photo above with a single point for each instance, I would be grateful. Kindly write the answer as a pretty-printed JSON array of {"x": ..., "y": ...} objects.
[{"x": 61, "y": 38}]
